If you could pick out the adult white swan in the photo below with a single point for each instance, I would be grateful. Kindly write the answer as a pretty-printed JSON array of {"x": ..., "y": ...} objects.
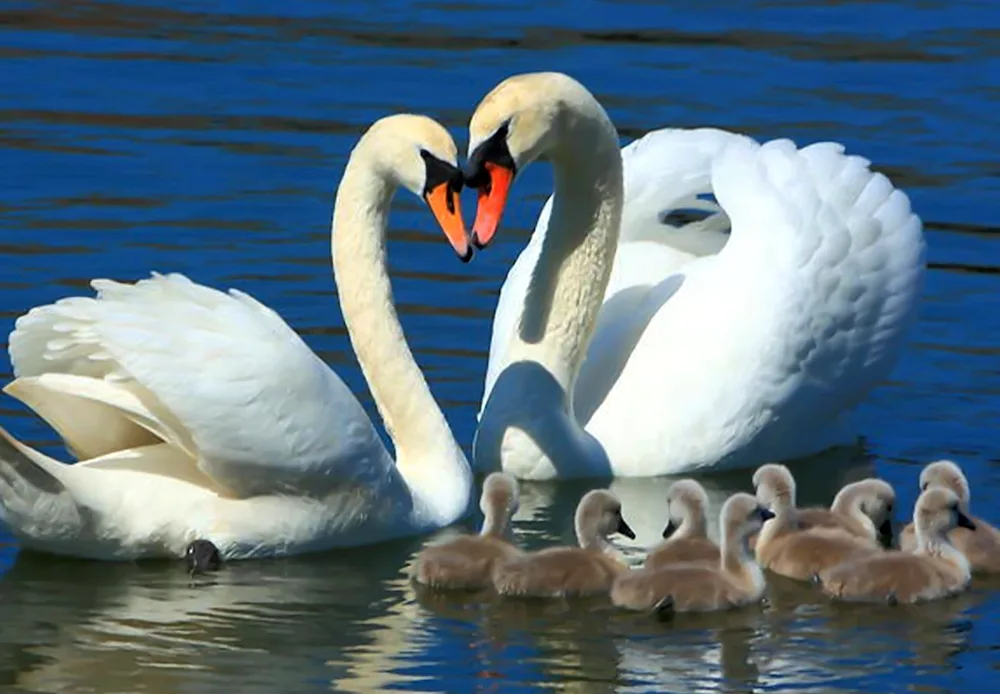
[
  {"x": 672, "y": 354},
  {"x": 200, "y": 414}
]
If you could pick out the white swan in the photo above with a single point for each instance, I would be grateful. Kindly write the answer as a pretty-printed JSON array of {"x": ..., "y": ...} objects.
[
  {"x": 685, "y": 349},
  {"x": 200, "y": 414}
]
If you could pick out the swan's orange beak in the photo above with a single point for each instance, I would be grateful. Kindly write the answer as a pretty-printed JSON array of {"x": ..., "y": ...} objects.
[
  {"x": 492, "y": 201},
  {"x": 490, "y": 169},
  {"x": 447, "y": 209}
]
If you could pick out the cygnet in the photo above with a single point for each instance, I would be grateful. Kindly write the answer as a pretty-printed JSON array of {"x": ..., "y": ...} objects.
[
  {"x": 466, "y": 562},
  {"x": 586, "y": 570}
]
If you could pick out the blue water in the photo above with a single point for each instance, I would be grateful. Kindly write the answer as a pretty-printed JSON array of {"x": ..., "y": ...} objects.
[{"x": 207, "y": 138}]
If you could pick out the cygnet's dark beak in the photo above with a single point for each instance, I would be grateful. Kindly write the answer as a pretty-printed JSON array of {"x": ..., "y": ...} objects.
[
  {"x": 765, "y": 514},
  {"x": 669, "y": 530},
  {"x": 965, "y": 522},
  {"x": 885, "y": 533},
  {"x": 202, "y": 556},
  {"x": 623, "y": 529}
]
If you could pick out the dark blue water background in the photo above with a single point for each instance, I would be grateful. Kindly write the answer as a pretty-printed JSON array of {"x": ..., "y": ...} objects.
[{"x": 208, "y": 138}]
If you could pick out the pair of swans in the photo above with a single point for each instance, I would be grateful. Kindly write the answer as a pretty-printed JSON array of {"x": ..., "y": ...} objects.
[{"x": 621, "y": 345}]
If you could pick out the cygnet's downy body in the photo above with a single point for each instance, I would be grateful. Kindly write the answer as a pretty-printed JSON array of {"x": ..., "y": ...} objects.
[
  {"x": 981, "y": 546},
  {"x": 734, "y": 580},
  {"x": 934, "y": 570},
  {"x": 686, "y": 534},
  {"x": 582, "y": 571},
  {"x": 466, "y": 562}
]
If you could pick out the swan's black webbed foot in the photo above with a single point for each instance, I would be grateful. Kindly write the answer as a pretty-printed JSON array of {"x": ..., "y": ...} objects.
[
  {"x": 202, "y": 556},
  {"x": 664, "y": 609}
]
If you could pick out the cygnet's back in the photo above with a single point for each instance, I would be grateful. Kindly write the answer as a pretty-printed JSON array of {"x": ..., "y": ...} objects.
[
  {"x": 571, "y": 571},
  {"x": 466, "y": 562},
  {"x": 982, "y": 547},
  {"x": 862, "y": 509},
  {"x": 734, "y": 580},
  {"x": 686, "y": 533},
  {"x": 934, "y": 570}
]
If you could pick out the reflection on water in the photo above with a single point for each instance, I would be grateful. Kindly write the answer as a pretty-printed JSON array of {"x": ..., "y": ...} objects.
[
  {"x": 207, "y": 138},
  {"x": 353, "y": 622}
]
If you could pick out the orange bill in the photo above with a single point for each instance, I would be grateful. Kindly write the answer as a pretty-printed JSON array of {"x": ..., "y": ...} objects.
[
  {"x": 492, "y": 200},
  {"x": 444, "y": 203}
]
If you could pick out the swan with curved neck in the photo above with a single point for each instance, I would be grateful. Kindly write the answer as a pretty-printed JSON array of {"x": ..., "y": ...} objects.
[
  {"x": 262, "y": 452},
  {"x": 625, "y": 346}
]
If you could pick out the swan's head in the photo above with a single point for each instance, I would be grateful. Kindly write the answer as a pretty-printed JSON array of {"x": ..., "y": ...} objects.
[
  {"x": 945, "y": 473},
  {"x": 687, "y": 503},
  {"x": 775, "y": 487},
  {"x": 417, "y": 153},
  {"x": 599, "y": 516},
  {"x": 937, "y": 511},
  {"x": 741, "y": 516},
  {"x": 524, "y": 118}
]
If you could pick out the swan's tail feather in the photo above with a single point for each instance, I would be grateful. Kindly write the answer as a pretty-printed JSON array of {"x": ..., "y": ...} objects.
[{"x": 34, "y": 502}]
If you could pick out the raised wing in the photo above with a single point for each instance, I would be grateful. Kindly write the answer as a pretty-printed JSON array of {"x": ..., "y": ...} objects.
[{"x": 223, "y": 376}]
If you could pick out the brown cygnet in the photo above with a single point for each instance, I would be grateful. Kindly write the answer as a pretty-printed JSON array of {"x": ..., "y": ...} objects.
[
  {"x": 686, "y": 533},
  {"x": 783, "y": 546},
  {"x": 734, "y": 580},
  {"x": 934, "y": 570},
  {"x": 466, "y": 562},
  {"x": 982, "y": 547},
  {"x": 863, "y": 509},
  {"x": 571, "y": 571}
]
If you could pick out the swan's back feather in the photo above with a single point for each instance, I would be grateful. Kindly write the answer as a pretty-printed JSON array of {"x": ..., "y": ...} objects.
[
  {"x": 264, "y": 413},
  {"x": 764, "y": 346}
]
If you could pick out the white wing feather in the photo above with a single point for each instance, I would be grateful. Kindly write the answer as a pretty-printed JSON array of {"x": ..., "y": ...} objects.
[{"x": 264, "y": 413}]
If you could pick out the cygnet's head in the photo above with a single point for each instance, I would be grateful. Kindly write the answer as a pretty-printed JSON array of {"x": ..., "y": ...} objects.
[
  {"x": 937, "y": 511},
  {"x": 687, "y": 503},
  {"x": 741, "y": 516},
  {"x": 499, "y": 501},
  {"x": 599, "y": 516},
  {"x": 416, "y": 152},
  {"x": 775, "y": 487},
  {"x": 945, "y": 473},
  {"x": 202, "y": 556},
  {"x": 877, "y": 499},
  {"x": 522, "y": 119}
]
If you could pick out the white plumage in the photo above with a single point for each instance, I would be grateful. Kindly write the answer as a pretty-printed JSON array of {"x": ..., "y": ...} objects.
[
  {"x": 199, "y": 414},
  {"x": 716, "y": 350}
]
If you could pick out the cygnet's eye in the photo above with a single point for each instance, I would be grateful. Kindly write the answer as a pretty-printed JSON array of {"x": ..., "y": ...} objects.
[{"x": 924, "y": 486}]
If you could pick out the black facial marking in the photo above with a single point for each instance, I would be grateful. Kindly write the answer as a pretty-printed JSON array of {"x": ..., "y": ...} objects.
[
  {"x": 439, "y": 172},
  {"x": 493, "y": 149}
]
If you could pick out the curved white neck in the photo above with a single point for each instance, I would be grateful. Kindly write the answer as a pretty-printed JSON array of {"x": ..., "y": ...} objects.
[
  {"x": 427, "y": 455},
  {"x": 848, "y": 503},
  {"x": 574, "y": 264}
]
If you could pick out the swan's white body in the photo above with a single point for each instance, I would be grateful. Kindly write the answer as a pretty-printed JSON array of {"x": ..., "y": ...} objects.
[
  {"x": 709, "y": 350},
  {"x": 201, "y": 414}
]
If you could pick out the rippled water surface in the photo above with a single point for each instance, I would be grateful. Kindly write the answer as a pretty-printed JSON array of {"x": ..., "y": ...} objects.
[{"x": 208, "y": 138}]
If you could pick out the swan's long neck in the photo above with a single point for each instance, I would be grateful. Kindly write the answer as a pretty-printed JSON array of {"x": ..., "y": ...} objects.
[
  {"x": 427, "y": 455},
  {"x": 574, "y": 265}
]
